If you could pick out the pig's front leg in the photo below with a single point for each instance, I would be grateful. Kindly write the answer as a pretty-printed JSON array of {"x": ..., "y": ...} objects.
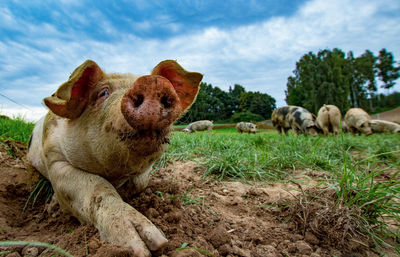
[{"x": 94, "y": 200}]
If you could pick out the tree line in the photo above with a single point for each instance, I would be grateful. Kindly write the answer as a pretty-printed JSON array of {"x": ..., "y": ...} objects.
[
  {"x": 237, "y": 104},
  {"x": 346, "y": 81}
]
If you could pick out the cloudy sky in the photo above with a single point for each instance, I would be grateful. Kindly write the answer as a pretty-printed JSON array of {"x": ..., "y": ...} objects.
[{"x": 248, "y": 42}]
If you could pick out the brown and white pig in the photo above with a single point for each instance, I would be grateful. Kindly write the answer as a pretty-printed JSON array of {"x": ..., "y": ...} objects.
[
  {"x": 101, "y": 137},
  {"x": 246, "y": 127},
  {"x": 199, "y": 126},
  {"x": 383, "y": 126},
  {"x": 328, "y": 119},
  {"x": 358, "y": 120},
  {"x": 299, "y": 119}
]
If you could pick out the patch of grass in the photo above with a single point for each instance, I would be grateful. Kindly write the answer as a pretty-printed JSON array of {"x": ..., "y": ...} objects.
[
  {"x": 187, "y": 198},
  {"x": 43, "y": 186},
  {"x": 271, "y": 157},
  {"x": 202, "y": 251},
  {"x": 377, "y": 200},
  {"x": 15, "y": 129}
]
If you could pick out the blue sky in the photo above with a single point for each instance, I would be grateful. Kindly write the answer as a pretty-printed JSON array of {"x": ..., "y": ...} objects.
[{"x": 252, "y": 43}]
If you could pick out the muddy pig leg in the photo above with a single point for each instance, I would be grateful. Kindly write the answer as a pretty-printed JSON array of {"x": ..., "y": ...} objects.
[
  {"x": 279, "y": 129},
  {"x": 295, "y": 130},
  {"x": 98, "y": 202},
  {"x": 285, "y": 130},
  {"x": 326, "y": 131}
]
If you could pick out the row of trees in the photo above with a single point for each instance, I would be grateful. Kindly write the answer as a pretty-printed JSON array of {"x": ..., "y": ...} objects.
[
  {"x": 346, "y": 81},
  {"x": 212, "y": 103}
]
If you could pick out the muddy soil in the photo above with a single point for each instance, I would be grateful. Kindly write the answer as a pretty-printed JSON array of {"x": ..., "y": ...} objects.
[{"x": 205, "y": 217}]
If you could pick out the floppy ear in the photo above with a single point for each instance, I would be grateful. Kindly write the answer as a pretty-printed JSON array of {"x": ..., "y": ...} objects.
[
  {"x": 186, "y": 83},
  {"x": 71, "y": 98}
]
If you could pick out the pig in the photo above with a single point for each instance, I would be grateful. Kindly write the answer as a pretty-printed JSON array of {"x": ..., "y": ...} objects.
[
  {"x": 358, "y": 120},
  {"x": 246, "y": 127},
  {"x": 99, "y": 140},
  {"x": 199, "y": 126},
  {"x": 296, "y": 118},
  {"x": 383, "y": 126},
  {"x": 328, "y": 119}
]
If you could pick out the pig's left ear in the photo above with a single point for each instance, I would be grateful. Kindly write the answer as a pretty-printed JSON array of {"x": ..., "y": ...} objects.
[
  {"x": 71, "y": 97},
  {"x": 186, "y": 83}
]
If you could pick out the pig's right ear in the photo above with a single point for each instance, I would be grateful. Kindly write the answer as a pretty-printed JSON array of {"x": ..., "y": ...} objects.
[
  {"x": 71, "y": 97},
  {"x": 186, "y": 84}
]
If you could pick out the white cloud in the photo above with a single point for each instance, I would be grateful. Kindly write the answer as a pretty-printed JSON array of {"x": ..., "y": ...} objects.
[{"x": 259, "y": 56}]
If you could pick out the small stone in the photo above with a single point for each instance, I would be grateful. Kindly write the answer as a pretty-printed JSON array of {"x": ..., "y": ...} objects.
[
  {"x": 315, "y": 255},
  {"x": 311, "y": 238},
  {"x": 292, "y": 247},
  {"x": 296, "y": 237},
  {"x": 265, "y": 251},
  {"x": 30, "y": 251},
  {"x": 303, "y": 247}
]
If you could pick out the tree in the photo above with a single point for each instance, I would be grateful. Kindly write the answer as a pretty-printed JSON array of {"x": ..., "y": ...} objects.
[
  {"x": 212, "y": 103},
  {"x": 329, "y": 77},
  {"x": 235, "y": 94},
  {"x": 257, "y": 103},
  {"x": 387, "y": 72}
]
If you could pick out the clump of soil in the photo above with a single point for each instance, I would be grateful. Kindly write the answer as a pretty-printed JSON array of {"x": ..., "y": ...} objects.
[{"x": 205, "y": 216}]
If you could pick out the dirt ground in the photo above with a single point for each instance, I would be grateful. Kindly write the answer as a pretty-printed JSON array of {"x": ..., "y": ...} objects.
[{"x": 208, "y": 217}]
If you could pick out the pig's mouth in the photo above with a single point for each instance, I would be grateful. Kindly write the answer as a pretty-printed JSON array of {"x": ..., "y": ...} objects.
[{"x": 145, "y": 142}]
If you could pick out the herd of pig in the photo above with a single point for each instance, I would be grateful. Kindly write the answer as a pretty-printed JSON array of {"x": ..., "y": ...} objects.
[
  {"x": 356, "y": 120},
  {"x": 208, "y": 125},
  {"x": 104, "y": 131},
  {"x": 301, "y": 121}
]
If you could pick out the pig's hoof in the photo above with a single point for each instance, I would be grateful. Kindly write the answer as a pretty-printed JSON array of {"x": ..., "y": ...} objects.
[
  {"x": 52, "y": 206},
  {"x": 133, "y": 230}
]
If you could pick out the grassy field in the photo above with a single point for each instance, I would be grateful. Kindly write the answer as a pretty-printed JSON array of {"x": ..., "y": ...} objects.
[
  {"x": 268, "y": 156},
  {"x": 354, "y": 165}
]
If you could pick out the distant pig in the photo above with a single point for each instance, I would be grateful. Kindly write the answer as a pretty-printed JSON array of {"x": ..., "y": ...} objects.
[
  {"x": 246, "y": 127},
  {"x": 328, "y": 119},
  {"x": 383, "y": 126},
  {"x": 101, "y": 137},
  {"x": 299, "y": 119},
  {"x": 199, "y": 126},
  {"x": 358, "y": 120}
]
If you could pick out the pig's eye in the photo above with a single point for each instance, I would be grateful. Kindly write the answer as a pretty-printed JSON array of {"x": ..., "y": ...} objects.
[{"x": 103, "y": 93}]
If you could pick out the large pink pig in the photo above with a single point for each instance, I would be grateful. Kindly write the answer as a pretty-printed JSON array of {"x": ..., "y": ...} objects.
[{"x": 101, "y": 137}]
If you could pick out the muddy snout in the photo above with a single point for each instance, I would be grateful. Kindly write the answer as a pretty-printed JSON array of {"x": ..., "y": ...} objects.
[{"x": 151, "y": 104}]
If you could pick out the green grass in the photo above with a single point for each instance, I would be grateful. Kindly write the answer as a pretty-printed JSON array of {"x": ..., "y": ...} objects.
[
  {"x": 375, "y": 202},
  {"x": 15, "y": 129},
  {"x": 268, "y": 156}
]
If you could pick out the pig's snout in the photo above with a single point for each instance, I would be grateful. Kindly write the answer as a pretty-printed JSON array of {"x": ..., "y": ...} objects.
[{"x": 151, "y": 104}]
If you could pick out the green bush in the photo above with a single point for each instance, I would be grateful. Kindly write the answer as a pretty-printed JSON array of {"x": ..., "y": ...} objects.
[{"x": 246, "y": 116}]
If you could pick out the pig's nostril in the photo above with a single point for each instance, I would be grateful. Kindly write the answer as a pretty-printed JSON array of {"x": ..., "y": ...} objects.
[
  {"x": 137, "y": 100},
  {"x": 166, "y": 102}
]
